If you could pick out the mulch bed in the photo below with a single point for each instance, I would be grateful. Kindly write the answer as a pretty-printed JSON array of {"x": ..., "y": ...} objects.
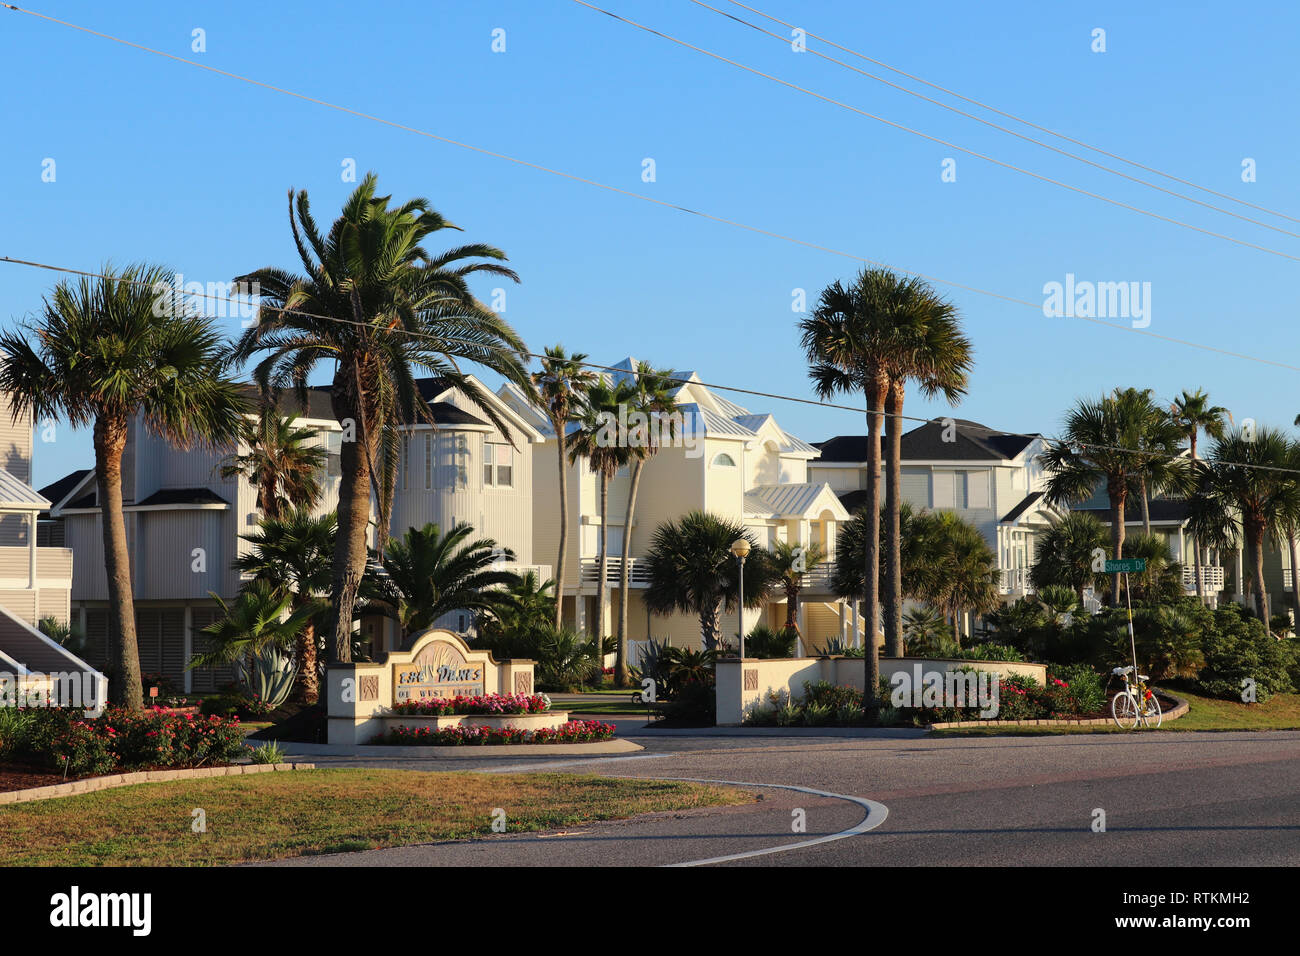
[{"x": 21, "y": 777}]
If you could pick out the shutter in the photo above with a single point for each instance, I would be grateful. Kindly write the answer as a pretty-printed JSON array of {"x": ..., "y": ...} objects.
[
  {"x": 944, "y": 482},
  {"x": 977, "y": 489},
  {"x": 148, "y": 639},
  {"x": 207, "y": 679},
  {"x": 916, "y": 489},
  {"x": 171, "y": 641}
]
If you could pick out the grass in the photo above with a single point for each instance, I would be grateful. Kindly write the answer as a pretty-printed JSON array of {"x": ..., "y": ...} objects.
[
  {"x": 1281, "y": 712},
  {"x": 276, "y": 815}
]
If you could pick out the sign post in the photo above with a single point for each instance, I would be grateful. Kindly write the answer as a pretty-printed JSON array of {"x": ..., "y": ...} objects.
[{"x": 1124, "y": 566}]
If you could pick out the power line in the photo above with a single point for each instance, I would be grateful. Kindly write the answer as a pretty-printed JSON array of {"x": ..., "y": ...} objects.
[
  {"x": 942, "y": 142},
  {"x": 1013, "y": 116},
  {"x": 442, "y": 339},
  {"x": 1004, "y": 129},
  {"x": 650, "y": 199}
]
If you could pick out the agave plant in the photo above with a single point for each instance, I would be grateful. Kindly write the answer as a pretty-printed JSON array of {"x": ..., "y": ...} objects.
[{"x": 271, "y": 676}]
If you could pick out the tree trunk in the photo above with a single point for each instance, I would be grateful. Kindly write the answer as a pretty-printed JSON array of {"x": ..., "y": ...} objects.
[
  {"x": 1118, "y": 493},
  {"x": 1146, "y": 508},
  {"x": 625, "y": 576},
  {"x": 266, "y": 497},
  {"x": 602, "y": 562},
  {"x": 1295, "y": 577},
  {"x": 110, "y": 440},
  {"x": 871, "y": 591},
  {"x": 710, "y": 625},
  {"x": 561, "y": 444},
  {"x": 893, "y": 597},
  {"x": 307, "y": 686},
  {"x": 353, "y": 517},
  {"x": 792, "y": 606},
  {"x": 1196, "y": 545},
  {"x": 1255, "y": 530}
]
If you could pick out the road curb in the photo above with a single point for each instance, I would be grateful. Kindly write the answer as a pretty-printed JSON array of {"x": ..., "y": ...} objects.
[
  {"x": 1179, "y": 709},
  {"x": 112, "y": 781},
  {"x": 464, "y": 752}
]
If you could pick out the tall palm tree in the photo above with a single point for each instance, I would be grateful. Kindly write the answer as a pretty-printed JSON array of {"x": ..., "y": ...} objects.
[
  {"x": 561, "y": 388},
  {"x": 281, "y": 463},
  {"x": 792, "y": 562},
  {"x": 1248, "y": 492},
  {"x": 427, "y": 574},
  {"x": 108, "y": 351},
  {"x": 850, "y": 339},
  {"x": 654, "y": 399},
  {"x": 933, "y": 353},
  {"x": 294, "y": 553},
  {"x": 1193, "y": 413},
  {"x": 692, "y": 570},
  {"x": 598, "y": 442},
  {"x": 1064, "y": 556},
  {"x": 376, "y": 304},
  {"x": 917, "y": 568},
  {"x": 1101, "y": 444},
  {"x": 1159, "y": 437}
]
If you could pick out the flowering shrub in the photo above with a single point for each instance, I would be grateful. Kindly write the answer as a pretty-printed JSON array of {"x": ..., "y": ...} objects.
[
  {"x": 485, "y": 705},
  {"x": 573, "y": 732},
  {"x": 122, "y": 740}
]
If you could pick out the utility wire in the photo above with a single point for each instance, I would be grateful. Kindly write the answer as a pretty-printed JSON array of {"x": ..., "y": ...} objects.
[
  {"x": 1011, "y": 132},
  {"x": 541, "y": 356},
  {"x": 1013, "y": 116},
  {"x": 650, "y": 199},
  {"x": 934, "y": 139}
]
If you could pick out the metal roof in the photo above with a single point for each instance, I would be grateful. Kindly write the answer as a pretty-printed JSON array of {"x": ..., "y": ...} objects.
[
  {"x": 791, "y": 499},
  {"x": 18, "y": 495}
]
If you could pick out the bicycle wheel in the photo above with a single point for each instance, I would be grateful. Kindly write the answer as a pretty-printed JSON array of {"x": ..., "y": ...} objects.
[
  {"x": 1152, "y": 715},
  {"x": 1124, "y": 709}
]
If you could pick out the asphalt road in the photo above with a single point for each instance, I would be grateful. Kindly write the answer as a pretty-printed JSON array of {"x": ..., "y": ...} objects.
[{"x": 1169, "y": 799}]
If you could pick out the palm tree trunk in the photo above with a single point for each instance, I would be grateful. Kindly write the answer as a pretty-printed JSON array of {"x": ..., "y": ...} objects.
[
  {"x": 307, "y": 689},
  {"x": 893, "y": 597},
  {"x": 792, "y": 606},
  {"x": 871, "y": 591},
  {"x": 1255, "y": 541},
  {"x": 710, "y": 625},
  {"x": 1295, "y": 576},
  {"x": 110, "y": 440},
  {"x": 625, "y": 576},
  {"x": 602, "y": 560},
  {"x": 1196, "y": 545},
  {"x": 1146, "y": 508},
  {"x": 1118, "y": 493},
  {"x": 561, "y": 443},
  {"x": 350, "y": 545},
  {"x": 266, "y": 497}
]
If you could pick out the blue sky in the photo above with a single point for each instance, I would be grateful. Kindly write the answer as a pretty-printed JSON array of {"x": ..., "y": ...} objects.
[{"x": 158, "y": 160}]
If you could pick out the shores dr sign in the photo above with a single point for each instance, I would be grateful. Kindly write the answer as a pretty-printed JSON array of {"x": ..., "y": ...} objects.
[{"x": 438, "y": 670}]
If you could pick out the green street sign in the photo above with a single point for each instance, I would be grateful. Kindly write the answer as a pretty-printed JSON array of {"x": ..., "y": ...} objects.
[{"x": 1134, "y": 565}]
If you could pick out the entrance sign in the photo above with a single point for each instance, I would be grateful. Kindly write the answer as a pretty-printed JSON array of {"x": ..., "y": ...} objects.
[
  {"x": 1126, "y": 566},
  {"x": 438, "y": 670}
]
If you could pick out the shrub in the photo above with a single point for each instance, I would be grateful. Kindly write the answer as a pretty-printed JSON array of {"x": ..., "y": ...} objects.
[
  {"x": 990, "y": 652},
  {"x": 1238, "y": 648},
  {"x": 1085, "y": 685},
  {"x": 766, "y": 642},
  {"x": 270, "y": 752},
  {"x": 485, "y": 704},
  {"x": 573, "y": 732},
  {"x": 817, "y": 715}
]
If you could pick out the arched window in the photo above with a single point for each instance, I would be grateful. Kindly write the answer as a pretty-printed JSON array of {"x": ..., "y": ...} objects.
[{"x": 723, "y": 460}]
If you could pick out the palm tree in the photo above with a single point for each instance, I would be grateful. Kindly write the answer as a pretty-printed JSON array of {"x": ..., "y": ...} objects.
[
  {"x": 373, "y": 302},
  {"x": 597, "y": 440},
  {"x": 792, "y": 562},
  {"x": 1101, "y": 443},
  {"x": 1158, "y": 467},
  {"x": 1248, "y": 492},
  {"x": 933, "y": 352},
  {"x": 924, "y": 630},
  {"x": 260, "y": 617},
  {"x": 1162, "y": 581},
  {"x": 967, "y": 576},
  {"x": 427, "y": 574},
  {"x": 1193, "y": 413},
  {"x": 916, "y": 568},
  {"x": 281, "y": 463},
  {"x": 561, "y": 387},
  {"x": 850, "y": 339},
  {"x": 654, "y": 400},
  {"x": 1064, "y": 556},
  {"x": 293, "y": 553},
  {"x": 106, "y": 352},
  {"x": 692, "y": 570}
]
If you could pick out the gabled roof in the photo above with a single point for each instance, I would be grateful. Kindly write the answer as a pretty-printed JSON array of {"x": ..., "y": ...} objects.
[
  {"x": 793, "y": 500},
  {"x": 697, "y": 419},
  {"x": 58, "y": 490},
  {"x": 973, "y": 442},
  {"x": 19, "y": 495},
  {"x": 182, "y": 496},
  {"x": 1162, "y": 510},
  {"x": 1021, "y": 508},
  {"x": 318, "y": 402}
]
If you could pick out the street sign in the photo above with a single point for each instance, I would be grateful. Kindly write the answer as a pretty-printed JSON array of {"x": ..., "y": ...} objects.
[{"x": 1126, "y": 565}]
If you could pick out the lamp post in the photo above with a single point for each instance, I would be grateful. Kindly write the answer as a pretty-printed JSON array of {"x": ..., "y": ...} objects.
[{"x": 740, "y": 548}]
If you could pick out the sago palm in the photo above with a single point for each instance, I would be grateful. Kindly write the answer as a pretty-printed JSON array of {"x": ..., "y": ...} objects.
[
  {"x": 1066, "y": 553},
  {"x": 1193, "y": 413},
  {"x": 104, "y": 351},
  {"x": 376, "y": 305}
]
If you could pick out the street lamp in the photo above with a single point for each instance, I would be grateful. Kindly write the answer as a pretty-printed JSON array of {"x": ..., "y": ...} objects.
[{"x": 740, "y": 548}]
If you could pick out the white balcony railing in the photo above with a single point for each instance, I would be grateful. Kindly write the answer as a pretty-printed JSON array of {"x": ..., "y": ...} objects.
[
  {"x": 638, "y": 573},
  {"x": 1015, "y": 581},
  {"x": 1211, "y": 579}
]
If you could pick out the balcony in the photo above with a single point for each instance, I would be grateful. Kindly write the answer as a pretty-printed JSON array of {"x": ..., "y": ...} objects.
[
  {"x": 1211, "y": 579},
  {"x": 1015, "y": 582},
  {"x": 638, "y": 572}
]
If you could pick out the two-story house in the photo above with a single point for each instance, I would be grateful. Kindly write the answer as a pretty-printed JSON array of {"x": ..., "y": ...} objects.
[
  {"x": 184, "y": 520},
  {"x": 726, "y": 460},
  {"x": 992, "y": 479}
]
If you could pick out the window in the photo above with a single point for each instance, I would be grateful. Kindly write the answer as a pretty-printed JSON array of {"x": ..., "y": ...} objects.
[
  {"x": 488, "y": 464},
  {"x": 334, "y": 453},
  {"x": 723, "y": 460},
  {"x": 406, "y": 462},
  {"x": 498, "y": 465},
  {"x": 428, "y": 461}
]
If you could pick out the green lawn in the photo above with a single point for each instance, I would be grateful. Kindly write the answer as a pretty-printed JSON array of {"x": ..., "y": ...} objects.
[
  {"x": 275, "y": 815},
  {"x": 1281, "y": 712}
]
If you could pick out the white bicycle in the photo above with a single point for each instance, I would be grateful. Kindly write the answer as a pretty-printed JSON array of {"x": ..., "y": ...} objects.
[{"x": 1135, "y": 703}]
